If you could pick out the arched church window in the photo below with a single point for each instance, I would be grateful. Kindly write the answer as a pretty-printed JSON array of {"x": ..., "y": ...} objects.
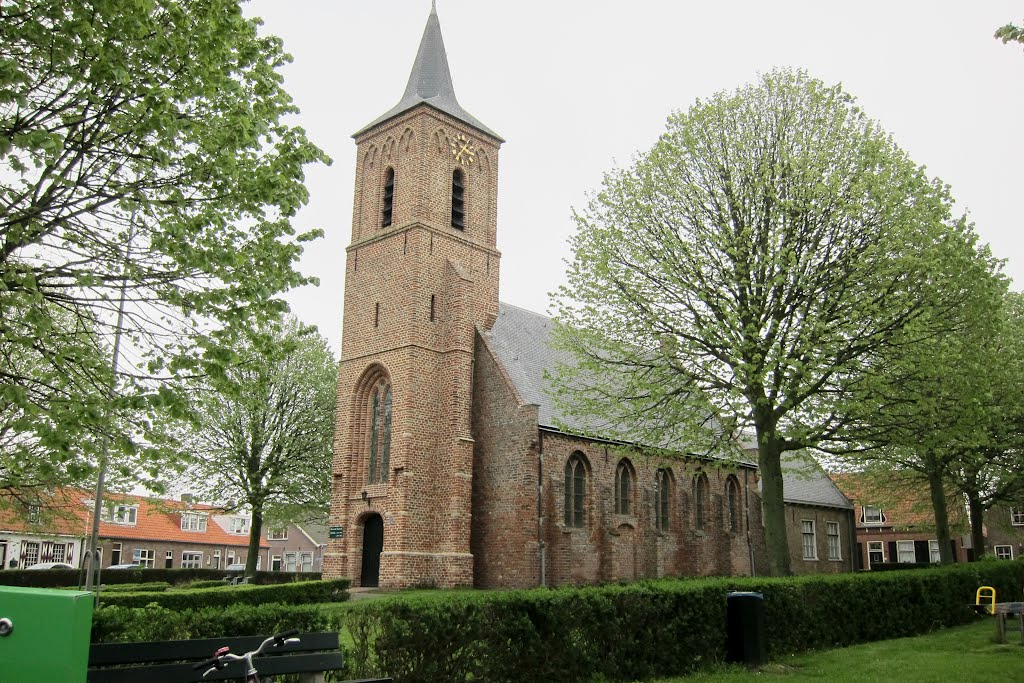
[
  {"x": 700, "y": 502},
  {"x": 662, "y": 496},
  {"x": 623, "y": 487},
  {"x": 380, "y": 433},
  {"x": 732, "y": 495},
  {"x": 575, "y": 487},
  {"x": 389, "y": 197},
  {"x": 458, "y": 200}
]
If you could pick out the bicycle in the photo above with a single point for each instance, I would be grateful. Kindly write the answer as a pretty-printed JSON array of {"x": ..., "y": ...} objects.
[{"x": 222, "y": 657}]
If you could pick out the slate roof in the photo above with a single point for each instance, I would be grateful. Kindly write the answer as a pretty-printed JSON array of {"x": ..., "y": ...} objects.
[
  {"x": 521, "y": 343},
  {"x": 805, "y": 482},
  {"x": 430, "y": 82}
]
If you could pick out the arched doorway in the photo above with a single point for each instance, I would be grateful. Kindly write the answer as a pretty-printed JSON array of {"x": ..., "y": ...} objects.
[{"x": 373, "y": 544}]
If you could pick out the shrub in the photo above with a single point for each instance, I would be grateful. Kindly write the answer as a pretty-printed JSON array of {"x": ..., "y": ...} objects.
[
  {"x": 288, "y": 593},
  {"x": 150, "y": 587},
  {"x": 56, "y": 578}
]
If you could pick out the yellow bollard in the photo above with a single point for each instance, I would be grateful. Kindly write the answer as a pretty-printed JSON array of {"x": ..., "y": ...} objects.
[{"x": 988, "y": 593}]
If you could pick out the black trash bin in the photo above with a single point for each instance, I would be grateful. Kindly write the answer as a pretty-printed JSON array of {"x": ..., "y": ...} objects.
[{"x": 745, "y": 628}]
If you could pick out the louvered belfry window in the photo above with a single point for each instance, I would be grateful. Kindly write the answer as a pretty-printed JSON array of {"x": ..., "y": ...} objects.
[
  {"x": 458, "y": 201},
  {"x": 389, "y": 198}
]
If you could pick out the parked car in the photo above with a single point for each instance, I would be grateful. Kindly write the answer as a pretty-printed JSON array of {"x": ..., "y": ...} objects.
[
  {"x": 125, "y": 566},
  {"x": 51, "y": 565}
]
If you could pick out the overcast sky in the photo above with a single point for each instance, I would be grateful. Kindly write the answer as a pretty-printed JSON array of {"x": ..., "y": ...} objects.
[{"x": 577, "y": 87}]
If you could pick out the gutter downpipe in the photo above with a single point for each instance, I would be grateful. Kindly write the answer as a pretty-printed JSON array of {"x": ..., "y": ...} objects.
[{"x": 540, "y": 509}]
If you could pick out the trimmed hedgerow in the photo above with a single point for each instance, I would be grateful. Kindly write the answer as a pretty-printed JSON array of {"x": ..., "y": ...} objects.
[
  {"x": 650, "y": 628},
  {"x": 289, "y": 593},
  {"x": 150, "y": 587},
  {"x": 55, "y": 578}
]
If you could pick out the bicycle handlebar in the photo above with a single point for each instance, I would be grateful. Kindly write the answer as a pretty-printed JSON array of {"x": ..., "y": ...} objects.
[{"x": 224, "y": 654}]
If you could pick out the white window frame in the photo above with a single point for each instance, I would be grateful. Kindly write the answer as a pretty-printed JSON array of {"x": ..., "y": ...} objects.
[
  {"x": 291, "y": 562},
  {"x": 125, "y": 515},
  {"x": 33, "y": 514},
  {"x": 230, "y": 557},
  {"x": 275, "y": 563},
  {"x": 1007, "y": 553},
  {"x": 194, "y": 521},
  {"x": 876, "y": 547},
  {"x": 1017, "y": 517},
  {"x": 216, "y": 559},
  {"x": 809, "y": 539},
  {"x": 59, "y": 552},
  {"x": 29, "y": 553},
  {"x": 306, "y": 561},
  {"x": 145, "y": 557},
  {"x": 873, "y": 520},
  {"x": 238, "y": 525},
  {"x": 278, "y": 534},
  {"x": 194, "y": 561},
  {"x": 835, "y": 548},
  {"x": 901, "y": 550},
  {"x": 934, "y": 556},
  {"x": 115, "y": 548}
]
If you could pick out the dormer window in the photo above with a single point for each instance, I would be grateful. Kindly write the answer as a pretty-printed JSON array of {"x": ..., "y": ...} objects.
[
  {"x": 389, "y": 198},
  {"x": 871, "y": 515},
  {"x": 120, "y": 514},
  {"x": 193, "y": 521},
  {"x": 238, "y": 525},
  {"x": 458, "y": 201},
  {"x": 33, "y": 514}
]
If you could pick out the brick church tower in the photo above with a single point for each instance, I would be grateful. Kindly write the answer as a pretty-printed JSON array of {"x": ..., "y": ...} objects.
[{"x": 421, "y": 277}]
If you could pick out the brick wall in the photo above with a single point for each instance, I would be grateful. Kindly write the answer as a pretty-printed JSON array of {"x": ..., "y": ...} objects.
[{"x": 823, "y": 562}]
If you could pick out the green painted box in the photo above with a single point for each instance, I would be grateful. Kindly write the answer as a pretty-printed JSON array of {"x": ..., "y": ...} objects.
[{"x": 48, "y": 638}]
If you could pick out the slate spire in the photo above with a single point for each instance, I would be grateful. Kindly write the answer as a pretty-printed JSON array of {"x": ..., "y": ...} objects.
[{"x": 430, "y": 81}]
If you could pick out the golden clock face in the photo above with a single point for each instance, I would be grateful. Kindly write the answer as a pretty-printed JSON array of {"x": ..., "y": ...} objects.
[{"x": 463, "y": 150}]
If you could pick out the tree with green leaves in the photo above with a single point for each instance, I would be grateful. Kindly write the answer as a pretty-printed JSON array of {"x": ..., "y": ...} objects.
[
  {"x": 261, "y": 438},
  {"x": 144, "y": 156},
  {"x": 747, "y": 272},
  {"x": 1009, "y": 33}
]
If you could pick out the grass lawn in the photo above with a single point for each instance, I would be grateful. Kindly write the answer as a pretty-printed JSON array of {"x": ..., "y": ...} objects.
[{"x": 966, "y": 654}]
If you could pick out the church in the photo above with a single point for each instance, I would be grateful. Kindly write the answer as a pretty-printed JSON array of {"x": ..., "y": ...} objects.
[{"x": 450, "y": 468}]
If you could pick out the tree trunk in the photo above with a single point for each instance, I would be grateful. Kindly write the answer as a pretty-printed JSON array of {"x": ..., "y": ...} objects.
[
  {"x": 938, "y": 494},
  {"x": 769, "y": 462},
  {"x": 977, "y": 524},
  {"x": 254, "y": 540}
]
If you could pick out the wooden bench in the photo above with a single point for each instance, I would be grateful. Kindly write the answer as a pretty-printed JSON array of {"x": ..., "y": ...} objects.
[{"x": 173, "y": 661}]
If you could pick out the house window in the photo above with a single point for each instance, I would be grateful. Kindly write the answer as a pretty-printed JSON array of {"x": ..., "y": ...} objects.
[
  {"x": 700, "y": 492},
  {"x": 732, "y": 496},
  {"x": 58, "y": 552},
  {"x": 280, "y": 534},
  {"x": 231, "y": 557},
  {"x": 193, "y": 521},
  {"x": 662, "y": 494},
  {"x": 33, "y": 514},
  {"x": 458, "y": 201},
  {"x": 115, "y": 553},
  {"x": 290, "y": 562},
  {"x": 905, "y": 551},
  {"x": 216, "y": 559},
  {"x": 238, "y": 525},
  {"x": 834, "y": 551},
  {"x": 575, "y": 487},
  {"x": 306, "y": 561},
  {"x": 169, "y": 559},
  {"x": 933, "y": 552},
  {"x": 389, "y": 198},
  {"x": 1004, "y": 552},
  {"x": 876, "y": 553},
  {"x": 810, "y": 543},
  {"x": 191, "y": 559},
  {"x": 871, "y": 516},
  {"x": 275, "y": 563},
  {"x": 146, "y": 558},
  {"x": 1016, "y": 517},
  {"x": 30, "y": 554},
  {"x": 380, "y": 433},
  {"x": 120, "y": 514},
  {"x": 623, "y": 488}
]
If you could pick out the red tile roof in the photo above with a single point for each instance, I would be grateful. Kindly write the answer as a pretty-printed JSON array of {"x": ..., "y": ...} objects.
[{"x": 156, "y": 519}]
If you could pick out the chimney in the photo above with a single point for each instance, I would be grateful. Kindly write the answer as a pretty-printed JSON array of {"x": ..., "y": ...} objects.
[{"x": 187, "y": 497}]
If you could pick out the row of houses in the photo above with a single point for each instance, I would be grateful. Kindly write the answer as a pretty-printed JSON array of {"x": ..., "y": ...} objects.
[{"x": 150, "y": 532}]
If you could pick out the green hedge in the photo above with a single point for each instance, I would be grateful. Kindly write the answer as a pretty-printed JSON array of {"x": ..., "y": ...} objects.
[
  {"x": 304, "y": 592},
  {"x": 150, "y": 587},
  {"x": 57, "y": 578},
  {"x": 618, "y": 633}
]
